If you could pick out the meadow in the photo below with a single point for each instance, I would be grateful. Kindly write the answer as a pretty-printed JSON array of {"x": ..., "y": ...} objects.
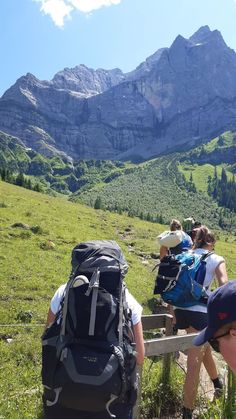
[{"x": 37, "y": 234}]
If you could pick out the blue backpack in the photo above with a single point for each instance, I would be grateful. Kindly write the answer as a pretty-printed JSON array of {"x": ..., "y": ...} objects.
[{"x": 180, "y": 279}]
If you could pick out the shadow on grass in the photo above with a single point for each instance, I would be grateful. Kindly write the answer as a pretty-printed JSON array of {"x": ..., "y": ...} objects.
[{"x": 40, "y": 413}]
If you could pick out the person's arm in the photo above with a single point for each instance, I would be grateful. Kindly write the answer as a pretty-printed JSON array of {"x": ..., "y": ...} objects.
[
  {"x": 138, "y": 336},
  {"x": 50, "y": 318},
  {"x": 163, "y": 251},
  {"x": 221, "y": 273}
]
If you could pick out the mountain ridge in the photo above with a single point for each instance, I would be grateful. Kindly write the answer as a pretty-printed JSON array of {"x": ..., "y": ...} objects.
[{"x": 170, "y": 100}]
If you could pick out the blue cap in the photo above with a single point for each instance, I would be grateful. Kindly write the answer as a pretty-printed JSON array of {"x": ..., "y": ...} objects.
[{"x": 221, "y": 309}]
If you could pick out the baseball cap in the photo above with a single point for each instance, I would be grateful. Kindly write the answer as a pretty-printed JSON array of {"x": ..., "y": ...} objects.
[{"x": 221, "y": 309}]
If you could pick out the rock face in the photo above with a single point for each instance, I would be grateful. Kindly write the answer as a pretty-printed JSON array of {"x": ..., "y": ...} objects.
[{"x": 178, "y": 97}]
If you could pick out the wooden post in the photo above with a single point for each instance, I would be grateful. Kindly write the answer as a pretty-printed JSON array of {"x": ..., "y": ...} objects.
[
  {"x": 166, "y": 363},
  {"x": 161, "y": 346}
]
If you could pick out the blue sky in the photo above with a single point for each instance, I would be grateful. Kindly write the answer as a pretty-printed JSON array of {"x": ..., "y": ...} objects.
[{"x": 44, "y": 36}]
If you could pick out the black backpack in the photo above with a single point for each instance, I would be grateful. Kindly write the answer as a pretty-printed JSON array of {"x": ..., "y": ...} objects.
[{"x": 88, "y": 353}]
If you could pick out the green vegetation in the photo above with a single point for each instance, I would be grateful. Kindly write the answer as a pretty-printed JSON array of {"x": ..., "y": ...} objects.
[
  {"x": 56, "y": 173},
  {"x": 223, "y": 190},
  {"x": 157, "y": 191},
  {"x": 177, "y": 185},
  {"x": 37, "y": 234}
]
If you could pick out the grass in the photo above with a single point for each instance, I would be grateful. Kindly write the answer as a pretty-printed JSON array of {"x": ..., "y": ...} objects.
[
  {"x": 200, "y": 173},
  {"x": 32, "y": 269}
]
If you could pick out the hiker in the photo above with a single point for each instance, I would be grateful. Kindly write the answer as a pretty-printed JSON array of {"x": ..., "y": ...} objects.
[
  {"x": 181, "y": 241},
  {"x": 191, "y": 226},
  {"x": 194, "y": 318},
  {"x": 221, "y": 323},
  {"x": 107, "y": 258}
]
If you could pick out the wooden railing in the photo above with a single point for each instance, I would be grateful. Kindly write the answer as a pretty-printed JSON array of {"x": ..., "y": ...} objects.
[
  {"x": 162, "y": 346},
  {"x": 168, "y": 343}
]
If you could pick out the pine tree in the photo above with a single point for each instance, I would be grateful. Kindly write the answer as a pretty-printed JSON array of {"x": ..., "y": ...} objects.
[{"x": 98, "y": 203}]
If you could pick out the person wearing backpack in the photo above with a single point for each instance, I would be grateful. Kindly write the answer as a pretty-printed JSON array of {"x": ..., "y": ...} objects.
[
  {"x": 92, "y": 326},
  {"x": 194, "y": 319},
  {"x": 176, "y": 242}
]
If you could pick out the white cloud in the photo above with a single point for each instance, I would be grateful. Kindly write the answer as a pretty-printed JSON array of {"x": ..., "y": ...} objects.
[
  {"x": 87, "y": 6},
  {"x": 57, "y": 9},
  {"x": 61, "y": 9}
]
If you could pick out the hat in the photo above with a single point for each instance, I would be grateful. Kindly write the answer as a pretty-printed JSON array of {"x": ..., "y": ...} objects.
[
  {"x": 170, "y": 238},
  {"x": 221, "y": 309}
]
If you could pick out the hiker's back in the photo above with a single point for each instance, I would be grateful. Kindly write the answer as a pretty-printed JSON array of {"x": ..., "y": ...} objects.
[{"x": 88, "y": 353}]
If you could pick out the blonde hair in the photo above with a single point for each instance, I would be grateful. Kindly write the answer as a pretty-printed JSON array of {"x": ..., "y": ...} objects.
[
  {"x": 175, "y": 225},
  {"x": 204, "y": 237}
]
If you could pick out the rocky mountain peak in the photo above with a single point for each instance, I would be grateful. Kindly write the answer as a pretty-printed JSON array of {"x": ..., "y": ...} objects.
[
  {"x": 145, "y": 67},
  {"x": 205, "y": 35},
  {"x": 24, "y": 88},
  {"x": 179, "y": 42},
  {"x": 87, "y": 81},
  {"x": 200, "y": 35}
]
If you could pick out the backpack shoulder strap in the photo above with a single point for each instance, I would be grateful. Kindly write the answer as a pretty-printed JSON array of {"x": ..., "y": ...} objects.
[{"x": 206, "y": 255}]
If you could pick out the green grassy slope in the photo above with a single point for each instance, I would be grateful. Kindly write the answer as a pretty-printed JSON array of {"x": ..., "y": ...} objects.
[
  {"x": 201, "y": 162},
  {"x": 29, "y": 276},
  {"x": 31, "y": 271}
]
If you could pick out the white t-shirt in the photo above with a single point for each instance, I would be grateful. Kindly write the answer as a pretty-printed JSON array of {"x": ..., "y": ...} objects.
[
  {"x": 134, "y": 306},
  {"x": 212, "y": 262}
]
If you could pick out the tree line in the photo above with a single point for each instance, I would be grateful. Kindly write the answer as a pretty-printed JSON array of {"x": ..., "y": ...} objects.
[
  {"x": 223, "y": 190},
  {"x": 158, "y": 218},
  {"x": 19, "y": 180}
]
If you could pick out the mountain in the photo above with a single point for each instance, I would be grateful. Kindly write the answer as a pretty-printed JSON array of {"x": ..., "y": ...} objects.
[{"x": 179, "y": 97}]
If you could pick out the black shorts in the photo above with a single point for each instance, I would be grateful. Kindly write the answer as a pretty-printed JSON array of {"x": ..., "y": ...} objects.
[{"x": 187, "y": 318}]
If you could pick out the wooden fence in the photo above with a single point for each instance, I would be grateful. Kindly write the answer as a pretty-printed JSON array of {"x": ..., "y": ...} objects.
[{"x": 162, "y": 346}]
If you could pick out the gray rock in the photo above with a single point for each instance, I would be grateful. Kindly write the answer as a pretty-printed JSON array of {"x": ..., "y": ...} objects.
[{"x": 177, "y": 98}]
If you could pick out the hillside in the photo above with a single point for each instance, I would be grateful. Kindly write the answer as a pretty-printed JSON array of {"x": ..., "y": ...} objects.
[
  {"x": 163, "y": 189},
  {"x": 35, "y": 259},
  {"x": 157, "y": 190},
  {"x": 31, "y": 270},
  {"x": 55, "y": 174},
  {"x": 168, "y": 103}
]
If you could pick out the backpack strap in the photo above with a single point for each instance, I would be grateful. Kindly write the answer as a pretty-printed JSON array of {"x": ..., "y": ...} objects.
[
  {"x": 121, "y": 309},
  {"x": 202, "y": 268},
  {"x": 206, "y": 255},
  {"x": 65, "y": 307},
  {"x": 93, "y": 285}
]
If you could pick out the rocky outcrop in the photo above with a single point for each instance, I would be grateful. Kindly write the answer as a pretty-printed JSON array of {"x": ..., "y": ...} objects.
[
  {"x": 86, "y": 81},
  {"x": 178, "y": 97}
]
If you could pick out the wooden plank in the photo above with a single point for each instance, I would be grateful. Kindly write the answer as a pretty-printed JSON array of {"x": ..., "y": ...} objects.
[
  {"x": 155, "y": 321},
  {"x": 168, "y": 344}
]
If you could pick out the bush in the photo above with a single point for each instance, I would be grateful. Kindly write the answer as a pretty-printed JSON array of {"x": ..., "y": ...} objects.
[{"x": 36, "y": 229}]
